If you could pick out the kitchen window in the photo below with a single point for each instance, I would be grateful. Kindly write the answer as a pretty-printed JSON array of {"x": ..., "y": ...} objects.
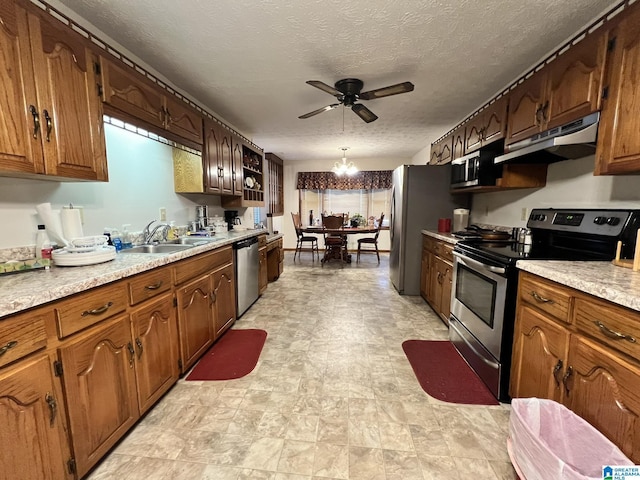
[{"x": 368, "y": 203}]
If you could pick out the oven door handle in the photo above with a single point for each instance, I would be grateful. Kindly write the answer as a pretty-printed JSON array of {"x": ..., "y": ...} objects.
[{"x": 478, "y": 265}]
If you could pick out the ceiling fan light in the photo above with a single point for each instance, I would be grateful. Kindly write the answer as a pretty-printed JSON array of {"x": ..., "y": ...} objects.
[{"x": 344, "y": 168}]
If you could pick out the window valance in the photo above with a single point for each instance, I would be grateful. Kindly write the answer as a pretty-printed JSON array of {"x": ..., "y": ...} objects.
[{"x": 365, "y": 180}]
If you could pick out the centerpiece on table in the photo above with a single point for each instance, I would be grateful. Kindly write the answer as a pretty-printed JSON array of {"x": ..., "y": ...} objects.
[{"x": 356, "y": 220}]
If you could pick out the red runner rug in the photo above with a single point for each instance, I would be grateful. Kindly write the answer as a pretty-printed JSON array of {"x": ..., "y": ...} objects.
[
  {"x": 443, "y": 373},
  {"x": 233, "y": 356}
]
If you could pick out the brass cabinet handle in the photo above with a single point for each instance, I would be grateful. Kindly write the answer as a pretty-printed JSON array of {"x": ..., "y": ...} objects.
[
  {"x": 97, "y": 311},
  {"x": 49, "y": 123},
  {"x": 557, "y": 373},
  {"x": 540, "y": 299},
  {"x": 612, "y": 333},
  {"x": 132, "y": 354},
  {"x": 139, "y": 345},
  {"x": 53, "y": 408},
  {"x": 36, "y": 120},
  {"x": 566, "y": 378},
  {"x": 8, "y": 346},
  {"x": 155, "y": 286}
]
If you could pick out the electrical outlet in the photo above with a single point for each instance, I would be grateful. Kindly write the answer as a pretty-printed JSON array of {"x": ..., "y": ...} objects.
[
  {"x": 163, "y": 214},
  {"x": 523, "y": 214}
]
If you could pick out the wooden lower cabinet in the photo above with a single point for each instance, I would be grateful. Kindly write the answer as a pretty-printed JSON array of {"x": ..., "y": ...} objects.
[
  {"x": 195, "y": 326},
  {"x": 275, "y": 260},
  {"x": 558, "y": 358},
  {"x": 263, "y": 271},
  {"x": 32, "y": 415},
  {"x": 223, "y": 301},
  {"x": 155, "y": 334},
  {"x": 100, "y": 386},
  {"x": 437, "y": 275}
]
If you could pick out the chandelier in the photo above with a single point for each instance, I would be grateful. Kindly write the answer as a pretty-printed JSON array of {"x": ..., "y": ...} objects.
[{"x": 344, "y": 167}]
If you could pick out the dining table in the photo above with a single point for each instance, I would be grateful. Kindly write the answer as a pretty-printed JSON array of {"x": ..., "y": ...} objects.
[{"x": 335, "y": 252}]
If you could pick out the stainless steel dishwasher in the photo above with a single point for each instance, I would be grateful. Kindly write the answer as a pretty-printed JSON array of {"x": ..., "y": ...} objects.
[{"x": 247, "y": 263}]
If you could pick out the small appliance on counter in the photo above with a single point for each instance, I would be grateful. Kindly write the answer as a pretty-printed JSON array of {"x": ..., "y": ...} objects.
[{"x": 232, "y": 218}]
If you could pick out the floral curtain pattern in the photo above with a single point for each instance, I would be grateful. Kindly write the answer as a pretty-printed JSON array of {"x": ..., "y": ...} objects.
[{"x": 366, "y": 180}]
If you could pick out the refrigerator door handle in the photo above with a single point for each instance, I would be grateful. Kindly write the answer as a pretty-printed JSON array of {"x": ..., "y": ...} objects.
[{"x": 393, "y": 209}]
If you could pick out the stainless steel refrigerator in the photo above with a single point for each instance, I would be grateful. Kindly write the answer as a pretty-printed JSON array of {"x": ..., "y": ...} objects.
[{"x": 419, "y": 197}]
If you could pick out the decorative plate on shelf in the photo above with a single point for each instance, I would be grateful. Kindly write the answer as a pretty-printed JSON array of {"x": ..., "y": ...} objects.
[{"x": 249, "y": 182}]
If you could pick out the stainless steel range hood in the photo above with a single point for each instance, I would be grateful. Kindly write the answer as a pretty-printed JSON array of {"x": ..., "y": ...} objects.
[{"x": 574, "y": 140}]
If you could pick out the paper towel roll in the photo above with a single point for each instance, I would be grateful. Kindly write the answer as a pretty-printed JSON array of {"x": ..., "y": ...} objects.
[
  {"x": 51, "y": 221},
  {"x": 71, "y": 223}
]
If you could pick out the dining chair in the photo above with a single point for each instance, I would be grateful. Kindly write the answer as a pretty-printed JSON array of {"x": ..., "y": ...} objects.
[
  {"x": 334, "y": 243},
  {"x": 302, "y": 239},
  {"x": 370, "y": 241}
]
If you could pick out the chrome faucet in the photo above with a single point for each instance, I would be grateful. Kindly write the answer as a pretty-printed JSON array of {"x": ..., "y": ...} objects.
[{"x": 147, "y": 236}]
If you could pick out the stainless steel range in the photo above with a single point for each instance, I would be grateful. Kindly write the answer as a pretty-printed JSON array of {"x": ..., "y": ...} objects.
[{"x": 485, "y": 279}]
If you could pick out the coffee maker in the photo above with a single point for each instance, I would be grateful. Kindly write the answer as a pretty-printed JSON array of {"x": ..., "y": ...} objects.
[{"x": 232, "y": 218}]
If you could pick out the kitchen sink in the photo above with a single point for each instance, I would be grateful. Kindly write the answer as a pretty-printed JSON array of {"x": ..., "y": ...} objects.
[
  {"x": 190, "y": 241},
  {"x": 163, "y": 248}
]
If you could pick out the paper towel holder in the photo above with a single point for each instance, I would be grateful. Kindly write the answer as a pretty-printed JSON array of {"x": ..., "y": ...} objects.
[{"x": 77, "y": 207}]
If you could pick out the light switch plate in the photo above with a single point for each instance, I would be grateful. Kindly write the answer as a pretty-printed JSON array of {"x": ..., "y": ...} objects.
[{"x": 163, "y": 214}]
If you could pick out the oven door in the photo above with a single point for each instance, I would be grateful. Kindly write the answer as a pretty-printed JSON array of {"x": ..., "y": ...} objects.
[{"x": 478, "y": 300}]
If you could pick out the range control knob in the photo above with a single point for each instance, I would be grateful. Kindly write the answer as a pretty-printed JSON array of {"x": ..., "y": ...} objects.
[
  {"x": 542, "y": 217},
  {"x": 600, "y": 220},
  {"x": 613, "y": 221}
]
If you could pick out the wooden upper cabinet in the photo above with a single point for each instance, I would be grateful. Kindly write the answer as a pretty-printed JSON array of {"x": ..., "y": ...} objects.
[
  {"x": 51, "y": 106},
  {"x": 124, "y": 89},
  {"x": 488, "y": 126},
  {"x": 276, "y": 181},
  {"x": 225, "y": 160},
  {"x": 446, "y": 151},
  {"x": 435, "y": 153},
  {"x": 236, "y": 158},
  {"x": 457, "y": 149},
  {"x": 130, "y": 92},
  {"x": 182, "y": 120},
  {"x": 618, "y": 149},
  {"x": 213, "y": 169},
  {"x": 566, "y": 89}
]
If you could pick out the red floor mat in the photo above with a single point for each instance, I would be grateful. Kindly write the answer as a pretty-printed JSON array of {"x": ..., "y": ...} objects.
[
  {"x": 233, "y": 356},
  {"x": 444, "y": 374}
]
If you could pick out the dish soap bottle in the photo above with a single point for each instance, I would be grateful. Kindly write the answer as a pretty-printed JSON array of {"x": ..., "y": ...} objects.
[
  {"x": 116, "y": 239},
  {"x": 172, "y": 234}
]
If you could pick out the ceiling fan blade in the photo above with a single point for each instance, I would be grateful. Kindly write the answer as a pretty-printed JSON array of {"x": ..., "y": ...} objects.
[
  {"x": 324, "y": 87},
  {"x": 387, "y": 91},
  {"x": 320, "y": 110},
  {"x": 364, "y": 113}
]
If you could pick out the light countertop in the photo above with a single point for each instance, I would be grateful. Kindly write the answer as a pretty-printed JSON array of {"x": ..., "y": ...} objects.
[
  {"x": 601, "y": 279},
  {"x": 22, "y": 291},
  {"x": 445, "y": 237}
]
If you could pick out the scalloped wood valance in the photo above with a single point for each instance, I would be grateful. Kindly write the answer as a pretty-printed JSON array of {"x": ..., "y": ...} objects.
[{"x": 364, "y": 180}]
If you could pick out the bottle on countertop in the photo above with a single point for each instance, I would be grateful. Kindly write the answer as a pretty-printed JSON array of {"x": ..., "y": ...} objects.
[
  {"x": 42, "y": 243},
  {"x": 116, "y": 239},
  {"x": 107, "y": 233},
  {"x": 172, "y": 233},
  {"x": 310, "y": 218},
  {"x": 126, "y": 236}
]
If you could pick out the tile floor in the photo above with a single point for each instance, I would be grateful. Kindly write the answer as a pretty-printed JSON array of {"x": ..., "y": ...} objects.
[{"x": 332, "y": 397}]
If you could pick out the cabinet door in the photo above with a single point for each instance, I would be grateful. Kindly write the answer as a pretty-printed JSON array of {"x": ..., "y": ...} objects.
[
  {"x": 34, "y": 444},
  {"x": 526, "y": 108},
  {"x": 100, "y": 386},
  {"x": 20, "y": 146},
  {"x": 123, "y": 89},
  {"x": 226, "y": 160},
  {"x": 433, "y": 283},
  {"x": 539, "y": 352},
  {"x": 69, "y": 102},
  {"x": 457, "y": 149},
  {"x": 238, "y": 178},
  {"x": 605, "y": 390},
  {"x": 618, "y": 149},
  {"x": 195, "y": 324},
  {"x": 223, "y": 299},
  {"x": 473, "y": 133},
  {"x": 155, "y": 334},
  {"x": 264, "y": 271},
  {"x": 435, "y": 153},
  {"x": 182, "y": 120},
  {"x": 445, "y": 302},
  {"x": 425, "y": 274},
  {"x": 446, "y": 150},
  {"x": 213, "y": 168},
  {"x": 574, "y": 81},
  {"x": 494, "y": 125}
]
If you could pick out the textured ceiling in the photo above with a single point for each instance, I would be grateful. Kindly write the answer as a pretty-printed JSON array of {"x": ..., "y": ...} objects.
[{"x": 248, "y": 61}]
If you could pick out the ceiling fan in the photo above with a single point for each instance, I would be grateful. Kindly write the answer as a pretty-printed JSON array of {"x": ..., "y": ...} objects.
[{"x": 348, "y": 93}]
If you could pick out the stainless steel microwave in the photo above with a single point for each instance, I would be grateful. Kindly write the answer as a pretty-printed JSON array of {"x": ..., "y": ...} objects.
[{"x": 474, "y": 169}]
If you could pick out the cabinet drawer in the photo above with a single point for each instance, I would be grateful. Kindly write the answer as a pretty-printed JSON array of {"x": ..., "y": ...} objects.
[
  {"x": 89, "y": 308},
  {"x": 549, "y": 297},
  {"x": 428, "y": 243},
  {"x": 205, "y": 263},
  {"x": 444, "y": 250},
  {"x": 262, "y": 240},
  {"x": 148, "y": 285},
  {"x": 22, "y": 335},
  {"x": 614, "y": 326}
]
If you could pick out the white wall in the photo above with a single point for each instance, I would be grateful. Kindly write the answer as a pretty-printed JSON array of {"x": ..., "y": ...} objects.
[
  {"x": 570, "y": 183},
  {"x": 140, "y": 182}
]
